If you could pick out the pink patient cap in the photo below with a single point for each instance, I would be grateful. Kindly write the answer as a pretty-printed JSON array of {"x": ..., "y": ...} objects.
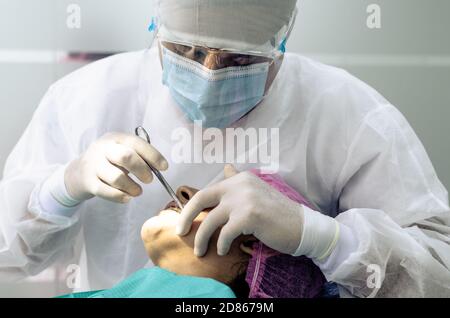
[{"x": 271, "y": 274}]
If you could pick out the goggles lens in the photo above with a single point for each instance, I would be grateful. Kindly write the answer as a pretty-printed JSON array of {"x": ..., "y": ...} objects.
[{"x": 214, "y": 58}]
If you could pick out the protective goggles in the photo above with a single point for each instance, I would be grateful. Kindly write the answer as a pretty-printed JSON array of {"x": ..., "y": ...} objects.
[
  {"x": 215, "y": 58},
  {"x": 228, "y": 31}
]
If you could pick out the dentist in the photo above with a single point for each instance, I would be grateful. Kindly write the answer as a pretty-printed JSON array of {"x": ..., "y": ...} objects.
[{"x": 78, "y": 173}]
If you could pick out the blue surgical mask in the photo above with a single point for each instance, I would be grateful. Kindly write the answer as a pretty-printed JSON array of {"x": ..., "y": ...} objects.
[{"x": 218, "y": 98}]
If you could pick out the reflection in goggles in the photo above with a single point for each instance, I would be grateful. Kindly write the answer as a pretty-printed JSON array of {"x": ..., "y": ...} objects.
[{"x": 213, "y": 58}]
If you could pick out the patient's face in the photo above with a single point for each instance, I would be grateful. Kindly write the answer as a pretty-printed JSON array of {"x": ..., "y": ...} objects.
[{"x": 176, "y": 254}]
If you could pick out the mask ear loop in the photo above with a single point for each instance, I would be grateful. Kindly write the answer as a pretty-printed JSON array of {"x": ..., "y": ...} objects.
[
  {"x": 282, "y": 45},
  {"x": 153, "y": 28}
]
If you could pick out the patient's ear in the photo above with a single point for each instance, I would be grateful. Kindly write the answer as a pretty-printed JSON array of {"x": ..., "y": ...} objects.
[{"x": 246, "y": 245}]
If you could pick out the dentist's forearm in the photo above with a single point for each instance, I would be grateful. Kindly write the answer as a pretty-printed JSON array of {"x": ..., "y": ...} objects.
[
  {"x": 345, "y": 246},
  {"x": 327, "y": 242},
  {"x": 54, "y": 197}
]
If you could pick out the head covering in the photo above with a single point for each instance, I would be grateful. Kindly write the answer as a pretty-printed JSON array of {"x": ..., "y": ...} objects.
[
  {"x": 271, "y": 274},
  {"x": 240, "y": 25}
]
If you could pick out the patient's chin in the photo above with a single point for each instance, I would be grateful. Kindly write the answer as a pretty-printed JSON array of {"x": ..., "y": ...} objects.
[
  {"x": 165, "y": 219},
  {"x": 158, "y": 233},
  {"x": 151, "y": 236}
]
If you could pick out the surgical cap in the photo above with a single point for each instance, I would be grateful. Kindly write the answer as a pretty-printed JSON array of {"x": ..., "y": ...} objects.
[{"x": 240, "y": 25}]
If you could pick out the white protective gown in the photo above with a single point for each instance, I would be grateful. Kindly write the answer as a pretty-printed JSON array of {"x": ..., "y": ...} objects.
[{"x": 342, "y": 145}]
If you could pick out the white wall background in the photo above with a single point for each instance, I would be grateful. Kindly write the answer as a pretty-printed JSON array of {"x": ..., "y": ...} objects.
[{"x": 407, "y": 60}]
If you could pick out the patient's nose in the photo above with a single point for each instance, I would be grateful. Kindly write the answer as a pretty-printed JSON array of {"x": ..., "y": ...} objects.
[{"x": 185, "y": 193}]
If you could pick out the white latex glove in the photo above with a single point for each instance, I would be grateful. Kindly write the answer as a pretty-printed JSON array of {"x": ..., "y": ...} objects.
[
  {"x": 103, "y": 170},
  {"x": 244, "y": 205},
  {"x": 247, "y": 205}
]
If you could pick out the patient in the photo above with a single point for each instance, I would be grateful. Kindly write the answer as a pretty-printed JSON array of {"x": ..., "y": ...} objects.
[
  {"x": 178, "y": 273},
  {"x": 175, "y": 254},
  {"x": 249, "y": 270}
]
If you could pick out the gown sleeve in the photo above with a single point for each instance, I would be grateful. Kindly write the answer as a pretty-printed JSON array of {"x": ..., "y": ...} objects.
[
  {"x": 30, "y": 238},
  {"x": 398, "y": 211}
]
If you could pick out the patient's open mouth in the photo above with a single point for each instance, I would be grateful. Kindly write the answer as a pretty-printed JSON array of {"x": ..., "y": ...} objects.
[{"x": 172, "y": 205}]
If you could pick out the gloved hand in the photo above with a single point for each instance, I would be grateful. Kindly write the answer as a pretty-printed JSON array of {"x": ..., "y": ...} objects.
[
  {"x": 103, "y": 170},
  {"x": 244, "y": 205},
  {"x": 249, "y": 206}
]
